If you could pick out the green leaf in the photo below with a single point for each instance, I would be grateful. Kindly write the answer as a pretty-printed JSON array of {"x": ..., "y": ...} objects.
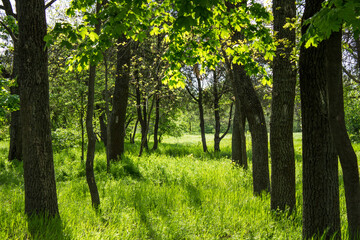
[{"x": 93, "y": 36}]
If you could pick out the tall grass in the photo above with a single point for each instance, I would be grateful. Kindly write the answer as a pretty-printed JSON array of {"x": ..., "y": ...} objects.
[{"x": 177, "y": 192}]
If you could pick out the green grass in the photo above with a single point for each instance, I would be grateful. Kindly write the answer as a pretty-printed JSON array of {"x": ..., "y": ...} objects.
[{"x": 177, "y": 192}]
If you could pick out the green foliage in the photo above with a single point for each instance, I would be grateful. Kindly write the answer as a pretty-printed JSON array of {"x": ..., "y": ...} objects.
[
  {"x": 352, "y": 110},
  {"x": 8, "y": 102},
  {"x": 65, "y": 138},
  {"x": 331, "y": 18}
]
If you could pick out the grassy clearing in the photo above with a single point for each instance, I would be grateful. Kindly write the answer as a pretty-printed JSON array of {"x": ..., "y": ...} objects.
[{"x": 177, "y": 192}]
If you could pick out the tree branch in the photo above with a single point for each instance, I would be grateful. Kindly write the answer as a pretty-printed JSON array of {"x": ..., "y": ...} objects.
[
  {"x": 351, "y": 76},
  {"x": 8, "y": 8},
  {"x": 12, "y": 35},
  {"x": 49, "y": 3},
  {"x": 229, "y": 123},
  {"x": 187, "y": 88}
]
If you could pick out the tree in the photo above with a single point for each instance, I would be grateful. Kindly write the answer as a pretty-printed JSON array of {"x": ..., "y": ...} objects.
[
  {"x": 254, "y": 113},
  {"x": 282, "y": 110},
  {"x": 219, "y": 88},
  {"x": 340, "y": 137},
  {"x": 90, "y": 176},
  {"x": 15, "y": 148},
  {"x": 116, "y": 139},
  {"x": 39, "y": 176},
  {"x": 320, "y": 166},
  {"x": 198, "y": 98}
]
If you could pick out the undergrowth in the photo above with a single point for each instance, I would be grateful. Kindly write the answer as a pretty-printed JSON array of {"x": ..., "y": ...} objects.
[{"x": 176, "y": 192}]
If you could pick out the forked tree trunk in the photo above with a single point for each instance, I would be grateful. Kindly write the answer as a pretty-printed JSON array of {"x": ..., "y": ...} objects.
[
  {"x": 116, "y": 139},
  {"x": 255, "y": 116},
  {"x": 39, "y": 176},
  {"x": 254, "y": 113},
  {"x": 348, "y": 159},
  {"x": 282, "y": 111},
  {"x": 320, "y": 166}
]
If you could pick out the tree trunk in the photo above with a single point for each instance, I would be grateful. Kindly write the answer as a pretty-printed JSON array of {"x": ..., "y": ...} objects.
[
  {"x": 120, "y": 100},
  {"x": 238, "y": 142},
  {"x": 320, "y": 167},
  {"x": 216, "y": 113},
  {"x": 103, "y": 128},
  {"x": 90, "y": 155},
  {"x": 39, "y": 176},
  {"x": 107, "y": 111},
  {"x": 348, "y": 159},
  {"x": 82, "y": 126},
  {"x": 132, "y": 138},
  {"x": 157, "y": 115},
  {"x": 282, "y": 111},
  {"x": 15, "y": 148},
  {"x": 201, "y": 108},
  {"x": 255, "y": 116}
]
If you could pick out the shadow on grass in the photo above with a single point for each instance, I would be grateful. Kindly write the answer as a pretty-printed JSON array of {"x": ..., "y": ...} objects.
[
  {"x": 194, "y": 195},
  {"x": 11, "y": 174},
  {"x": 183, "y": 150},
  {"x": 125, "y": 167},
  {"x": 45, "y": 227}
]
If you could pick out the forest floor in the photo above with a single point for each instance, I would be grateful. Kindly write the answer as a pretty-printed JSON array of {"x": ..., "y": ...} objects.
[{"x": 176, "y": 192}]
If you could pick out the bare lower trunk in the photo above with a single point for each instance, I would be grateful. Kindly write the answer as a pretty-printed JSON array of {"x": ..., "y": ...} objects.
[
  {"x": 15, "y": 148},
  {"x": 116, "y": 139},
  {"x": 90, "y": 155},
  {"x": 255, "y": 116},
  {"x": 39, "y": 176},
  {"x": 238, "y": 144},
  {"x": 282, "y": 111},
  {"x": 348, "y": 159},
  {"x": 320, "y": 166}
]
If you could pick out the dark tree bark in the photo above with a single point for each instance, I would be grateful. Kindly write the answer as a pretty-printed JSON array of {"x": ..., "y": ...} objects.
[
  {"x": 282, "y": 111},
  {"x": 141, "y": 109},
  {"x": 103, "y": 128},
  {"x": 255, "y": 116},
  {"x": 116, "y": 139},
  {"x": 39, "y": 176},
  {"x": 348, "y": 159},
  {"x": 132, "y": 137},
  {"x": 90, "y": 155},
  {"x": 157, "y": 115},
  {"x": 238, "y": 141},
  {"x": 254, "y": 113},
  {"x": 201, "y": 107},
  {"x": 216, "y": 113},
  {"x": 320, "y": 166},
  {"x": 15, "y": 148}
]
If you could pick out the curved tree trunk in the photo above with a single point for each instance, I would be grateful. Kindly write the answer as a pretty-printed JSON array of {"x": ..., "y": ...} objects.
[
  {"x": 282, "y": 111},
  {"x": 39, "y": 176},
  {"x": 116, "y": 139},
  {"x": 348, "y": 159},
  {"x": 255, "y": 116},
  {"x": 320, "y": 166},
  {"x": 90, "y": 155}
]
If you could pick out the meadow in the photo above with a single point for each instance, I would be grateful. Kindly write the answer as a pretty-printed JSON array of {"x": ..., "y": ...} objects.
[{"x": 177, "y": 192}]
